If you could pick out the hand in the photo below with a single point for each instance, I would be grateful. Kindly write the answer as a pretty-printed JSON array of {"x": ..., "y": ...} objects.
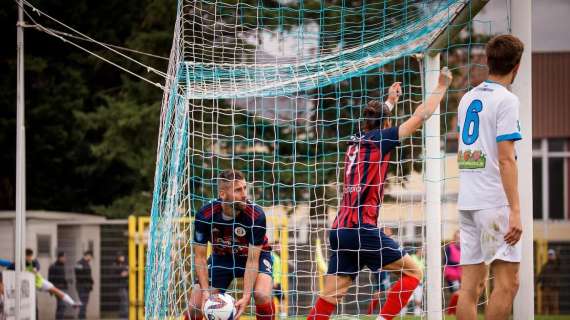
[
  {"x": 394, "y": 93},
  {"x": 445, "y": 77},
  {"x": 241, "y": 304},
  {"x": 205, "y": 296},
  {"x": 515, "y": 228}
]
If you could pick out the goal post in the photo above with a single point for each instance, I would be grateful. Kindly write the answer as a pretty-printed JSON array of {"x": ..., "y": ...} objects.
[
  {"x": 521, "y": 26},
  {"x": 433, "y": 179}
]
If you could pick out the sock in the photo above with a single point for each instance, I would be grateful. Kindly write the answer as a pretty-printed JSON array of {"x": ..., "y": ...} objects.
[
  {"x": 322, "y": 310},
  {"x": 373, "y": 305},
  {"x": 67, "y": 299},
  {"x": 452, "y": 307},
  {"x": 265, "y": 311},
  {"x": 398, "y": 296}
]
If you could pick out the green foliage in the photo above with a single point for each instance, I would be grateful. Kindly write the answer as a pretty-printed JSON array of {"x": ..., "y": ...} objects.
[{"x": 91, "y": 131}]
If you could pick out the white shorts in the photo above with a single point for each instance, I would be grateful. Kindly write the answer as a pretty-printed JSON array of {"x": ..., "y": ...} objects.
[{"x": 481, "y": 234}]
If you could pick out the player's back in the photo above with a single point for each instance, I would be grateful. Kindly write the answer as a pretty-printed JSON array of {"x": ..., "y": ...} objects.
[
  {"x": 365, "y": 168},
  {"x": 487, "y": 115}
]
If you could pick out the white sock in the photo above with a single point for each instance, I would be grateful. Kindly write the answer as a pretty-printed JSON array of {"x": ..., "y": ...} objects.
[{"x": 67, "y": 299}]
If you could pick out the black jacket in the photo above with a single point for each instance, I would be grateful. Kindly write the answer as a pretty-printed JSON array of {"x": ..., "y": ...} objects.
[
  {"x": 549, "y": 276},
  {"x": 122, "y": 281},
  {"x": 56, "y": 275},
  {"x": 83, "y": 279}
]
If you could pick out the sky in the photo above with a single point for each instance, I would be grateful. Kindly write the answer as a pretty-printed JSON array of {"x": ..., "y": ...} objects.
[{"x": 550, "y": 22}]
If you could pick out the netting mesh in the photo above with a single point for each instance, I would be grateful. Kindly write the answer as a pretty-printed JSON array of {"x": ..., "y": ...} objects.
[{"x": 276, "y": 89}]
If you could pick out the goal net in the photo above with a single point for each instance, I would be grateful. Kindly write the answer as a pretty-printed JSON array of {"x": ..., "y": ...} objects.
[{"x": 276, "y": 89}]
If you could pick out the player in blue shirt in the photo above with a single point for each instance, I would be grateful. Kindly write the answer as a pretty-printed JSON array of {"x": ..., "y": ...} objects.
[{"x": 236, "y": 228}]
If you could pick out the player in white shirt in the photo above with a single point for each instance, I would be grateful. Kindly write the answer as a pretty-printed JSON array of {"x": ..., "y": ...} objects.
[{"x": 489, "y": 212}]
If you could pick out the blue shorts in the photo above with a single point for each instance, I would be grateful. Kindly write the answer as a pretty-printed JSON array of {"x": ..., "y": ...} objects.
[
  {"x": 223, "y": 269},
  {"x": 354, "y": 249}
]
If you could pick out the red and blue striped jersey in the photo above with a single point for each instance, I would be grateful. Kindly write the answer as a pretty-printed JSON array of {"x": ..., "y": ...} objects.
[
  {"x": 234, "y": 235},
  {"x": 365, "y": 168}
]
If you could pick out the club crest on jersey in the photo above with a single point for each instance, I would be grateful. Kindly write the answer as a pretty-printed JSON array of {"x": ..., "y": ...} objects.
[{"x": 240, "y": 232}]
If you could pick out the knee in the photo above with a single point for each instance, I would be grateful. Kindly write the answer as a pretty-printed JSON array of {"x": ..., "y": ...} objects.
[
  {"x": 332, "y": 296},
  {"x": 415, "y": 272},
  {"x": 508, "y": 288},
  {"x": 472, "y": 292},
  {"x": 419, "y": 274},
  {"x": 261, "y": 297}
]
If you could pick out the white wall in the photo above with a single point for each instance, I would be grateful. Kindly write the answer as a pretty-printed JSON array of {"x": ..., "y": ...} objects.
[{"x": 7, "y": 239}]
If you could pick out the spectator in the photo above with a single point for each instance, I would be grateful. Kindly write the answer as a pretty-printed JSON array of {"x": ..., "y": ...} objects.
[
  {"x": 452, "y": 271},
  {"x": 549, "y": 280},
  {"x": 84, "y": 281},
  {"x": 31, "y": 263},
  {"x": 122, "y": 275},
  {"x": 41, "y": 284},
  {"x": 56, "y": 275}
]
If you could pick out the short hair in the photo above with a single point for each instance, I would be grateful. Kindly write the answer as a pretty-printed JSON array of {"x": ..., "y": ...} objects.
[
  {"x": 61, "y": 254},
  {"x": 503, "y": 52},
  {"x": 229, "y": 175},
  {"x": 375, "y": 113},
  {"x": 29, "y": 252},
  {"x": 88, "y": 253}
]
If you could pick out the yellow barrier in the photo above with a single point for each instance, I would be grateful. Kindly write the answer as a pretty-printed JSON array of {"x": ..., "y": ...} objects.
[
  {"x": 138, "y": 231},
  {"x": 132, "y": 268},
  {"x": 321, "y": 264},
  {"x": 541, "y": 247}
]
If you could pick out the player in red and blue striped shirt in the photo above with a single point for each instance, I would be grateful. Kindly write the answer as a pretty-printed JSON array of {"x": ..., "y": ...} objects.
[
  {"x": 355, "y": 239},
  {"x": 236, "y": 228}
]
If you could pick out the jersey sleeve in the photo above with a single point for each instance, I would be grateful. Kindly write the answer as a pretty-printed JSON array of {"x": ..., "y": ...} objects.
[
  {"x": 508, "y": 128},
  {"x": 258, "y": 229},
  {"x": 386, "y": 139},
  {"x": 201, "y": 229}
]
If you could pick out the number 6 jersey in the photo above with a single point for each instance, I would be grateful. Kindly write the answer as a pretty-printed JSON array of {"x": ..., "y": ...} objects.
[{"x": 487, "y": 115}]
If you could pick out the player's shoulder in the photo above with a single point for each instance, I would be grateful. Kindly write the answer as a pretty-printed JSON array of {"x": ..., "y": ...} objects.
[
  {"x": 376, "y": 135},
  {"x": 208, "y": 210},
  {"x": 253, "y": 211},
  {"x": 500, "y": 93},
  {"x": 509, "y": 98}
]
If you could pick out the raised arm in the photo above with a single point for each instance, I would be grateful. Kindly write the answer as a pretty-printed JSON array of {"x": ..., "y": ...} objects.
[{"x": 425, "y": 110}]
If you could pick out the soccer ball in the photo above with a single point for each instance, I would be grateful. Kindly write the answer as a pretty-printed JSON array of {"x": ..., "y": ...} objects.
[{"x": 219, "y": 306}]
